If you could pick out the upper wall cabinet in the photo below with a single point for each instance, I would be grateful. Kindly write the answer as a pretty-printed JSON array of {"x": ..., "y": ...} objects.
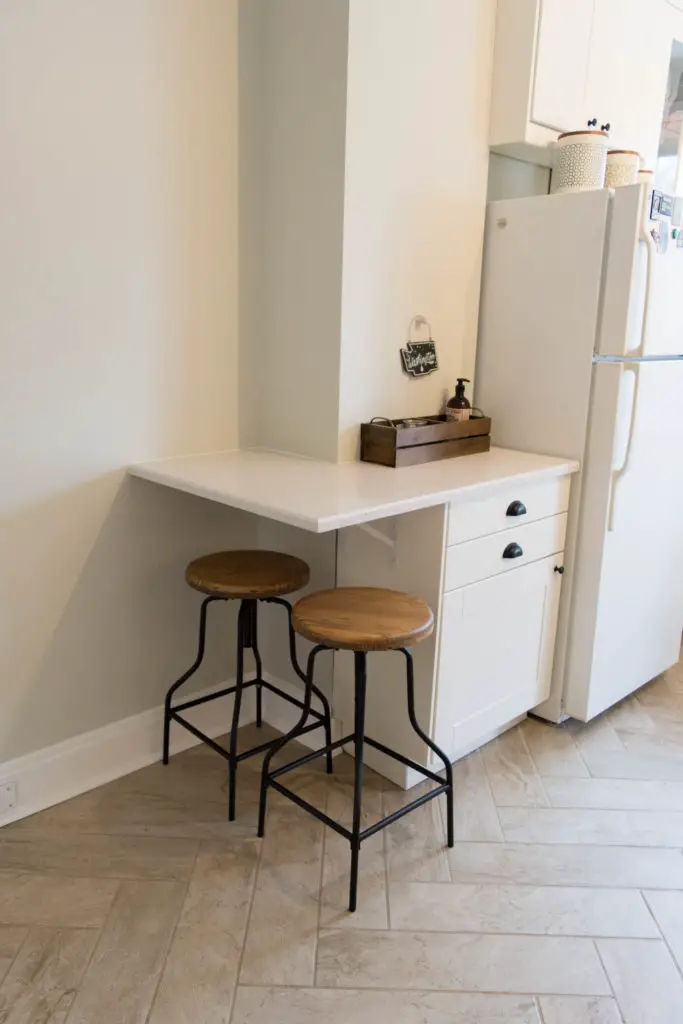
[{"x": 560, "y": 63}]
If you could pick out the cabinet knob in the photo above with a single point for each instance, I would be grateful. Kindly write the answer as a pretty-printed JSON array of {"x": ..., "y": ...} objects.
[
  {"x": 559, "y": 569},
  {"x": 516, "y": 508},
  {"x": 513, "y": 551},
  {"x": 593, "y": 123},
  {"x": 605, "y": 127}
]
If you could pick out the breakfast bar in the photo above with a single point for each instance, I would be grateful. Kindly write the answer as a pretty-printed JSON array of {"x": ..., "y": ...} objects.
[{"x": 480, "y": 538}]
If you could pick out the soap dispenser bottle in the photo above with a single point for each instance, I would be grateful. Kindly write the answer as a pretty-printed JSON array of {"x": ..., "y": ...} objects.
[{"x": 458, "y": 408}]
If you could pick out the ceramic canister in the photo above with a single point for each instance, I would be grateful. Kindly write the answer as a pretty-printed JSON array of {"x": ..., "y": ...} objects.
[
  {"x": 622, "y": 167},
  {"x": 580, "y": 161}
]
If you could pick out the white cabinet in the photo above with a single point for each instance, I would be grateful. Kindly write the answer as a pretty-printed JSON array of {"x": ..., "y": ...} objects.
[
  {"x": 562, "y": 48},
  {"x": 627, "y": 72},
  {"x": 490, "y": 657},
  {"x": 497, "y": 644},
  {"x": 560, "y": 63}
]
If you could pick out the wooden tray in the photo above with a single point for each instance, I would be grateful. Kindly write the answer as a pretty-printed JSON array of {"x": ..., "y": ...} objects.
[{"x": 396, "y": 445}]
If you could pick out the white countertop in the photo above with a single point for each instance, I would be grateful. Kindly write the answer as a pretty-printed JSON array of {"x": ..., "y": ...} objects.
[{"x": 323, "y": 496}]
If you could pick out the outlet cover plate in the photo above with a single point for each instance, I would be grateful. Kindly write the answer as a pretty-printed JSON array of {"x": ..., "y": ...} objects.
[{"x": 8, "y": 796}]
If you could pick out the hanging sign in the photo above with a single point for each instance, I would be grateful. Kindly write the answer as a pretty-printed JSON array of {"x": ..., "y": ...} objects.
[{"x": 419, "y": 357}]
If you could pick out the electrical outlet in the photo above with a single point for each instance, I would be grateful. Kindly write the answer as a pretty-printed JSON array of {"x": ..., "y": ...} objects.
[{"x": 8, "y": 796}]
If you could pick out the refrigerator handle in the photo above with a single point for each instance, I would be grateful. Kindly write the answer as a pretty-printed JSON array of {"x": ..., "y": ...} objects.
[
  {"x": 619, "y": 474},
  {"x": 650, "y": 252}
]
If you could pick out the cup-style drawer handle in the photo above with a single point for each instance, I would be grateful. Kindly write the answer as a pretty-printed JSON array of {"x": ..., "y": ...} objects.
[
  {"x": 513, "y": 551},
  {"x": 516, "y": 508}
]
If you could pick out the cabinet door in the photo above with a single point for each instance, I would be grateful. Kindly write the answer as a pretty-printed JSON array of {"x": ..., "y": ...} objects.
[
  {"x": 627, "y": 73},
  {"x": 562, "y": 49},
  {"x": 497, "y": 645}
]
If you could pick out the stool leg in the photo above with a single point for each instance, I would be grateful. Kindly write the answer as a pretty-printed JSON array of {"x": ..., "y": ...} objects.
[
  {"x": 292, "y": 734},
  {"x": 186, "y": 675},
  {"x": 430, "y": 743},
  {"x": 251, "y": 640},
  {"x": 327, "y": 711},
  {"x": 360, "y": 678},
  {"x": 243, "y": 636}
]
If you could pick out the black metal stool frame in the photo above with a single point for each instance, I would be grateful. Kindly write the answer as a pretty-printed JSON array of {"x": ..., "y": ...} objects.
[
  {"x": 356, "y": 835},
  {"x": 247, "y": 639}
]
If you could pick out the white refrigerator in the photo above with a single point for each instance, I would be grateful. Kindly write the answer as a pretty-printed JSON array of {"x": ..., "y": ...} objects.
[{"x": 580, "y": 354}]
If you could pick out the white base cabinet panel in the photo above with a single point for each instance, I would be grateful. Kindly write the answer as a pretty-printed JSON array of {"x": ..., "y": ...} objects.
[{"x": 497, "y": 645}]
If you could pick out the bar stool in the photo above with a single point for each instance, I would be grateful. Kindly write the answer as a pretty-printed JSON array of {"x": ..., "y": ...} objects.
[
  {"x": 359, "y": 619},
  {"x": 247, "y": 577}
]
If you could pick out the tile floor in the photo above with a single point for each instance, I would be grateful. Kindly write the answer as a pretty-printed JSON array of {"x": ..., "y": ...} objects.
[{"x": 562, "y": 902}]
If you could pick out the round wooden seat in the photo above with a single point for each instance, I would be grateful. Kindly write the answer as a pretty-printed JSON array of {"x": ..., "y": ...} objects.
[
  {"x": 247, "y": 574},
  {"x": 363, "y": 619}
]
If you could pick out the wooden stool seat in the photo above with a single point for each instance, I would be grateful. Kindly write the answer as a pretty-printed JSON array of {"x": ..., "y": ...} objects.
[
  {"x": 247, "y": 574},
  {"x": 363, "y": 619}
]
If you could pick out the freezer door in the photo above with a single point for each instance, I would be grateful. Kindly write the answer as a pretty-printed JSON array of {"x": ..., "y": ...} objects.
[
  {"x": 642, "y": 283},
  {"x": 626, "y": 613}
]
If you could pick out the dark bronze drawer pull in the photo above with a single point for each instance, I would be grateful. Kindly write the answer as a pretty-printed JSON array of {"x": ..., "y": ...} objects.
[
  {"x": 516, "y": 508},
  {"x": 513, "y": 551}
]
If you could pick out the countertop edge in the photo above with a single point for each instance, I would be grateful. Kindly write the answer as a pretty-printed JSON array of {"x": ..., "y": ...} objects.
[{"x": 155, "y": 474}]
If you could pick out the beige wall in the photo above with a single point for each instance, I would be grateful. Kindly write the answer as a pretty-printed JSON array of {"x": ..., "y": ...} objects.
[
  {"x": 416, "y": 166},
  {"x": 118, "y": 342},
  {"x": 513, "y": 179},
  {"x": 293, "y": 58}
]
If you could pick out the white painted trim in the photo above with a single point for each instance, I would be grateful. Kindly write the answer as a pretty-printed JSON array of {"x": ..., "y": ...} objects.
[{"x": 65, "y": 770}]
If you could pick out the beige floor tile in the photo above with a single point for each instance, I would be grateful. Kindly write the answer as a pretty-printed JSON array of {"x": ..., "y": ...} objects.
[
  {"x": 11, "y": 940},
  {"x": 668, "y": 910},
  {"x": 596, "y": 737},
  {"x": 510, "y": 909},
  {"x": 616, "y": 794},
  {"x": 121, "y": 980},
  {"x": 198, "y": 982},
  {"x": 79, "y": 856},
  {"x": 372, "y": 876},
  {"x": 333, "y": 1006},
  {"x": 512, "y": 773},
  {"x": 647, "y": 985},
  {"x": 474, "y": 963},
  {"x": 55, "y": 902},
  {"x": 476, "y": 817},
  {"x": 116, "y": 811},
  {"x": 282, "y": 934},
  {"x": 579, "y": 1010},
  {"x": 553, "y": 749},
  {"x": 665, "y": 742},
  {"x": 620, "y": 828},
  {"x": 630, "y": 714},
  {"x": 41, "y": 985},
  {"x": 533, "y": 864},
  {"x": 628, "y": 765},
  {"x": 415, "y": 847}
]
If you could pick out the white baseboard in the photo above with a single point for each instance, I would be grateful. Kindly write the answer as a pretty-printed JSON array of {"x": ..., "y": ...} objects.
[{"x": 65, "y": 770}]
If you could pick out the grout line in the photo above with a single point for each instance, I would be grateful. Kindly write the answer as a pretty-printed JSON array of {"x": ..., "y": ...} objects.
[
  {"x": 172, "y": 936},
  {"x": 417, "y": 991},
  {"x": 662, "y": 933},
  {"x": 463, "y": 932},
  {"x": 607, "y": 976},
  {"x": 245, "y": 934},
  {"x": 323, "y": 847}
]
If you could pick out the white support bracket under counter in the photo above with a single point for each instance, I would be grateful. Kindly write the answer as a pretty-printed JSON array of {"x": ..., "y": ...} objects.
[{"x": 447, "y": 526}]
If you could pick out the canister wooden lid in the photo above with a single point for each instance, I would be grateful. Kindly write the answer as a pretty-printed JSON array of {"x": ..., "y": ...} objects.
[
  {"x": 584, "y": 131},
  {"x": 628, "y": 152}
]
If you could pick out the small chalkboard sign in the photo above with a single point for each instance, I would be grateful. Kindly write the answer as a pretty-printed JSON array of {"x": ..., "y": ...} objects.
[{"x": 419, "y": 358}]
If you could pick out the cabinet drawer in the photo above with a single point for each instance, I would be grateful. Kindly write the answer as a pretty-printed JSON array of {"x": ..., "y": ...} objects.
[
  {"x": 503, "y": 552},
  {"x": 531, "y": 501}
]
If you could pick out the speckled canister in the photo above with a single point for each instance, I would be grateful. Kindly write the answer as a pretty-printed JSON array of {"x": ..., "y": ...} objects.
[{"x": 580, "y": 161}]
